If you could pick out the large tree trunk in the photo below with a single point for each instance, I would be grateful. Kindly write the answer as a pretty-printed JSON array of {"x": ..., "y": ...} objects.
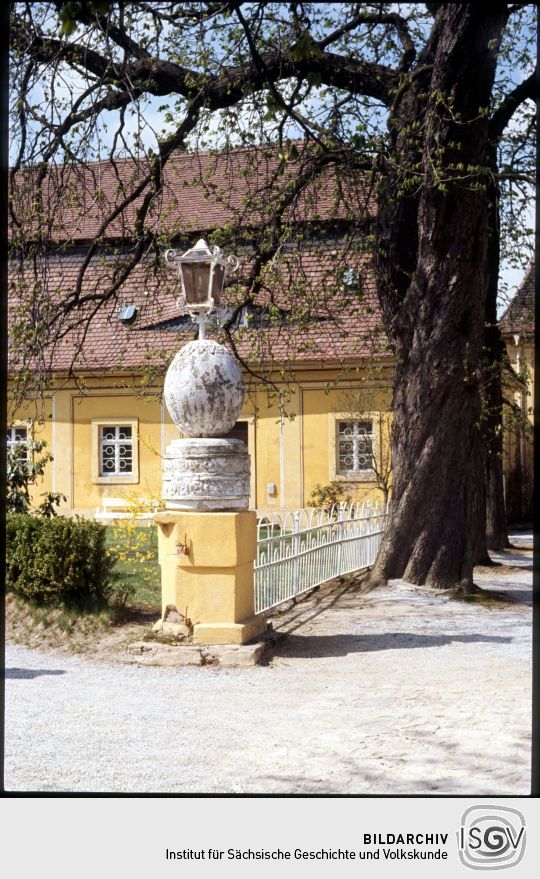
[{"x": 432, "y": 288}]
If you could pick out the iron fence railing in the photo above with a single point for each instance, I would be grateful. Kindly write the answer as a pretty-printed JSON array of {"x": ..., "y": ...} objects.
[{"x": 299, "y": 550}]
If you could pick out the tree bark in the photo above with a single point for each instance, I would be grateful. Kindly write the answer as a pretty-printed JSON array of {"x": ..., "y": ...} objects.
[{"x": 432, "y": 283}]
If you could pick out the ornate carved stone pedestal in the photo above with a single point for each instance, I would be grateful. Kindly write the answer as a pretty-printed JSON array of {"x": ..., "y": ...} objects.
[
  {"x": 206, "y": 474},
  {"x": 207, "y": 537}
]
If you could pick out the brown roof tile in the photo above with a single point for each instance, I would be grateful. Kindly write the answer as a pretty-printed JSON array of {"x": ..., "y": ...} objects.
[
  {"x": 519, "y": 316},
  {"x": 201, "y": 192},
  {"x": 319, "y": 319}
]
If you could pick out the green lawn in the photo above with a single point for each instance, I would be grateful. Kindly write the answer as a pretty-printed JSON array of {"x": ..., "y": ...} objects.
[{"x": 137, "y": 567}]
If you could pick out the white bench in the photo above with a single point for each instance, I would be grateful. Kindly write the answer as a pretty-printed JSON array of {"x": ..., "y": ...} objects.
[{"x": 114, "y": 508}]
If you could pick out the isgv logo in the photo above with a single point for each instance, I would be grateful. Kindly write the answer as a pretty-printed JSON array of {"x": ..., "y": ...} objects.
[{"x": 491, "y": 837}]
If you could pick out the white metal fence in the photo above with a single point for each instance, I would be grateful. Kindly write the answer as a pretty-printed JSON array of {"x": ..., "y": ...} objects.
[{"x": 299, "y": 550}]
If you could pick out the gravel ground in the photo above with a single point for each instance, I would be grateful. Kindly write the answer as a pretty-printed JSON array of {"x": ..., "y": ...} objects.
[{"x": 397, "y": 691}]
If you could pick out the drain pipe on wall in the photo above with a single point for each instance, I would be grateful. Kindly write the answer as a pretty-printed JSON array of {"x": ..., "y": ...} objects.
[
  {"x": 53, "y": 442},
  {"x": 281, "y": 463},
  {"x": 162, "y": 432}
]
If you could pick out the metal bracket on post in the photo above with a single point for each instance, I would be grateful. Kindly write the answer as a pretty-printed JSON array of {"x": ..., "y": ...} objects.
[{"x": 201, "y": 318}]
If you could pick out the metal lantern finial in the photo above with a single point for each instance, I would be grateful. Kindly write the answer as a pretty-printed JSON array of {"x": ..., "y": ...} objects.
[{"x": 202, "y": 275}]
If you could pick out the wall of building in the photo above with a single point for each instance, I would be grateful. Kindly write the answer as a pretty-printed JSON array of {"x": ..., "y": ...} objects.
[
  {"x": 518, "y": 438},
  {"x": 114, "y": 404},
  {"x": 323, "y": 408},
  {"x": 40, "y": 420},
  {"x": 291, "y": 449}
]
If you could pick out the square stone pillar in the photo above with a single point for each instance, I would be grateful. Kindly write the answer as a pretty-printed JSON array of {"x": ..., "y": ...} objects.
[{"x": 206, "y": 563}]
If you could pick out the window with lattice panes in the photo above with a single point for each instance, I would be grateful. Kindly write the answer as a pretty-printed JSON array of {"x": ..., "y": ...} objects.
[
  {"x": 17, "y": 437},
  {"x": 354, "y": 446},
  {"x": 115, "y": 450}
]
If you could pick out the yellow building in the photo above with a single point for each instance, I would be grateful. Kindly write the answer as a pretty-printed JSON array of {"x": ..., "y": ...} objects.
[
  {"x": 316, "y": 364},
  {"x": 517, "y": 326},
  {"x": 108, "y": 441}
]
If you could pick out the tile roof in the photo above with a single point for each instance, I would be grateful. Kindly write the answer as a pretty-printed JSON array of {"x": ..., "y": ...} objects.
[
  {"x": 519, "y": 316},
  {"x": 201, "y": 191},
  {"x": 312, "y": 317},
  {"x": 320, "y": 320}
]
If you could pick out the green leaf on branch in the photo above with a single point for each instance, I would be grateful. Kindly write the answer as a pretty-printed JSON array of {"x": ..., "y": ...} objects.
[{"x": 305, "y": 47}]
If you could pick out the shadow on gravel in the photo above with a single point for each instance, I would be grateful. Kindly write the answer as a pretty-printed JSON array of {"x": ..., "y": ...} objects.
[
  {"x": 500, "y": 599},
  {"x": 310, "y": 646},
  {"x": 515, "y": 554},
  {"x": 143, "y": 615},
  {"x": 28, "y": 673},
  {"x": 311, "y": 604},
  {"x": 523, "y": 596}
]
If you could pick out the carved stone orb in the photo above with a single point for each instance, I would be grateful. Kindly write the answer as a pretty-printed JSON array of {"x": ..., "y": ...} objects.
[{"x": 204, "y": 389}]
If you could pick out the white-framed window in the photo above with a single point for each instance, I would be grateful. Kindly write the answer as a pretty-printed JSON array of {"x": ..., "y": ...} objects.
[
  {"x": 354, "y": 446},
  {"x": 115, "y": 450},
  {"x": 17, "y": 437},
  {"x": 115, "y": 457}
]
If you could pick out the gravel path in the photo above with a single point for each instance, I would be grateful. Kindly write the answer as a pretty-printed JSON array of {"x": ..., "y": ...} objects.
[{"x": 396, "y": 691}]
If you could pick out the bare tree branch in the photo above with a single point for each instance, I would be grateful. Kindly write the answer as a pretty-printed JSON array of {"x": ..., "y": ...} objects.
[
  {"x": 506, "y": 109},
  {"x": 400, "y": 23}
]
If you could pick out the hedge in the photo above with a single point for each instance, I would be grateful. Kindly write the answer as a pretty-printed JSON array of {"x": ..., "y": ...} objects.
[{"x": 58, "y": 561}]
